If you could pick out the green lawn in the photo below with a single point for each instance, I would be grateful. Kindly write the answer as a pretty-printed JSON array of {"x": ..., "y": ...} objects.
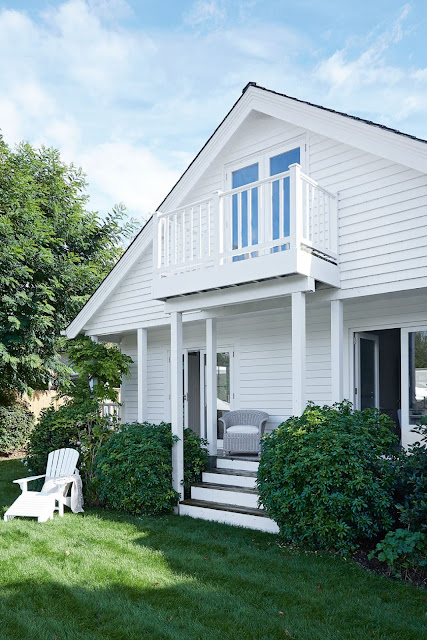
[{"x": 107, "y": 576}]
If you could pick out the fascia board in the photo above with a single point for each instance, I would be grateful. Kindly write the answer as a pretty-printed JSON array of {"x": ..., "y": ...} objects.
[
  {"x": 361, "y": 135},
  {"x": 106, "y": 288}
]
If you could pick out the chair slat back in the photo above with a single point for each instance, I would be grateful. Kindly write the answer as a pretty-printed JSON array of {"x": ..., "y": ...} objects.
[{"x": 61, "y": 462}]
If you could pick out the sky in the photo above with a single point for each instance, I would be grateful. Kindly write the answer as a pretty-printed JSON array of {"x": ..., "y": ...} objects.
[{"x": 130, "y": 90}]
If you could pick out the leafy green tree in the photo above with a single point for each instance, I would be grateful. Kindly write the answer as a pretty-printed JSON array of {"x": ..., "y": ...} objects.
[{"x": 53, "y": 255}]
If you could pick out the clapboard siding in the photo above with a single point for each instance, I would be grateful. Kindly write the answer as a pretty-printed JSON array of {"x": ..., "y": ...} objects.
[
  {"x": 382, "y": 205},
  {"x": 131, "y": 303},
  {"x": 129, "y": 387},
  {"x": 262, "y": 364}
]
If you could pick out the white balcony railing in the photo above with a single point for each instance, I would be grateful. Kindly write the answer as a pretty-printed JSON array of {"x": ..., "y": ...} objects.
[{"x": 282, "y": 212}]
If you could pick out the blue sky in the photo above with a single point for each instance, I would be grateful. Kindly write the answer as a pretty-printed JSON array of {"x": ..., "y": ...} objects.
[{"x": 130, "y": 90}]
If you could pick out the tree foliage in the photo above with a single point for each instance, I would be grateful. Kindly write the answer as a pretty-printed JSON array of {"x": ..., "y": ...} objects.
[{"x": 54, "y": 253}]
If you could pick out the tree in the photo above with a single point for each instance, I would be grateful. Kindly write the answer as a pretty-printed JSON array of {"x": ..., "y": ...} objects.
[{"x": 53, "y": 255}]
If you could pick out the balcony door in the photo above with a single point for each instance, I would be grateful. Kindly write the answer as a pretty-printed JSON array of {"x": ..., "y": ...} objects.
[{"x": 249, "y": 226}]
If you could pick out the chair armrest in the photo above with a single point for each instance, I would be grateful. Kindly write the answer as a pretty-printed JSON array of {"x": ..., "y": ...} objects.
[
  {"x": 263, "y": 425},
  {"x": 23, "y": 482}
]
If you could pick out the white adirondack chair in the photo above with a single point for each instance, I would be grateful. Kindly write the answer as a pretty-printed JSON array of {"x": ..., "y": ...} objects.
[{"x": 61, "y": 467}]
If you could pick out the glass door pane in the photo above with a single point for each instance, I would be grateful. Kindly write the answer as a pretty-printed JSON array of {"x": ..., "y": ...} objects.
[
  {"x": 366, "y": 371},
  {"x": 417, "y": 376},
  {"x": 279, "y": 164},
  {"x": 367, "y": 374},
  {"x": 245, "y": 209},
  {"x": 223, "y": 386}
]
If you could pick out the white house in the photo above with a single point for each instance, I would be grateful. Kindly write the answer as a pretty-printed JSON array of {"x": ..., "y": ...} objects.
[{"x": 294, "y": 247}]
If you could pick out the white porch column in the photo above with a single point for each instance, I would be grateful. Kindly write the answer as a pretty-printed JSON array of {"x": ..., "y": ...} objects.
[
  {"x": 177, "y": 402},
  {"x": 142, "y": 373},
  {"x": 337, "y": 351},
  {"x": 211, "y": 419},
  {"x": 298, "y": 353}
]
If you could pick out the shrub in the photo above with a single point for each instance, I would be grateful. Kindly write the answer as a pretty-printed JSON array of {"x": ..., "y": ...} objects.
[
  {"x": 16, "y": 424},
  {"x": 327, "y": 477},
  {"x": 195, "y": 458},
  {"x": 403, "y": 551},
  {"x": 57, "y": 429},
  {"x": 412, "y": 485},
  {"x": 133, "y": 469}
]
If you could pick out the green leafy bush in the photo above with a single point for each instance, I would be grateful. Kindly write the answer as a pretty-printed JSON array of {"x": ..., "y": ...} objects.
[
  {"x": 403, "y": 551},
  {"x": 412, "y": 484},
  {"x": 16, "y": 424},
  {"x": 327, "y": 477},
  {"x": 195, "y": 458},
  {"x": 57, "y": 429},
  {"x": 133, "y": 469}
]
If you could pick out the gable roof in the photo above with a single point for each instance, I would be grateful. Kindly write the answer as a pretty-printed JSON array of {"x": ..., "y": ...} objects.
[
  {"x": 298, "y": 100},
  {"x": 366, "y": 135},
  {"x": 360, "y": 133}
]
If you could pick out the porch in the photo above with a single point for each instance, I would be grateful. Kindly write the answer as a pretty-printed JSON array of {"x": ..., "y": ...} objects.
[{"x": 282, "y": 225}]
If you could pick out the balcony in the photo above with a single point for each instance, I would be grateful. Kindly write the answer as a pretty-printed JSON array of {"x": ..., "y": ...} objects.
[{"x": 283, "y": 225}]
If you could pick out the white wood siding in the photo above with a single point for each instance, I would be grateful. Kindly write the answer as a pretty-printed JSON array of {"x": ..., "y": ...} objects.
[{"x": 130, "y": 304}]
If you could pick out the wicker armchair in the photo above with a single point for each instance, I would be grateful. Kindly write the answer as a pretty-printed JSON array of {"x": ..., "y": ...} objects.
[{"x": 243, "y": 430}]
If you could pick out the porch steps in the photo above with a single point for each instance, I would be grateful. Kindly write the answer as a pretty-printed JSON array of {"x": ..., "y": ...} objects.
[
  {"x": 228, "y": 494},
  {"x": 225, "y": 494},
  {"x": 235, "y": 478}
]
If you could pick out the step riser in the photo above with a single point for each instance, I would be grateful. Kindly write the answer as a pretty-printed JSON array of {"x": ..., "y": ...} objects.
[
  {"x": 229, "y": 479},
  {"x": 228, "y": 517},
  {"x": 230, "y": 498},
  {"x": 237, "y": 465}
]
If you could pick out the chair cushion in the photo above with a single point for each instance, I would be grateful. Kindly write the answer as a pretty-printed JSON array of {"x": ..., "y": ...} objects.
[{"x": 242, "y": 428}]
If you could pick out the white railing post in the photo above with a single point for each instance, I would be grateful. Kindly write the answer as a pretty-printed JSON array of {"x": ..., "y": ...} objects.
[
  {"x": 296, "y": 221},
  {"x": 156, "y": 243}
]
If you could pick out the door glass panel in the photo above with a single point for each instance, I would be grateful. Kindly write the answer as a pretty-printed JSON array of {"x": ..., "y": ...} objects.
[
  {"x": 279, "y": 164},
  {"x": 367, "y": 374},
  {"x": 417, "y": 376},
  {"x": 223, "y": 386},
  {"x": 240, "y": 178}
]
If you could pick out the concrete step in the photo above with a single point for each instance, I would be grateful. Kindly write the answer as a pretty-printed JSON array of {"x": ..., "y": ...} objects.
[
  {"x": 249, "y": 518},
  {"x": 228, "y": 476},
  {"x": 237, "y": 464},
  {"x": 225, "y": 494}
]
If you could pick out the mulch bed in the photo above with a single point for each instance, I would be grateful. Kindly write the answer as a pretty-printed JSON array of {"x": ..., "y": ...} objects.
[{"x": 415, "y": 577}]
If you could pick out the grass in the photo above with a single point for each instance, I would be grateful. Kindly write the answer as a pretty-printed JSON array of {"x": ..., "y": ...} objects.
[{"x": 108, "y": 576}]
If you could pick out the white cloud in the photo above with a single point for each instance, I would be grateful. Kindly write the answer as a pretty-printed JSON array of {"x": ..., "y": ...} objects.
[
  {"x": 134, "y": 104},
  {"x": 205, "y": 11},
  {"x": 118, "y": 167}
]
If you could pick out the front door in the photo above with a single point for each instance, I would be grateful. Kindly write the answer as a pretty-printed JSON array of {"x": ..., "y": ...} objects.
[
  {"x": 192, "y": 374},
  {"x": 367, "y": 362}
]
